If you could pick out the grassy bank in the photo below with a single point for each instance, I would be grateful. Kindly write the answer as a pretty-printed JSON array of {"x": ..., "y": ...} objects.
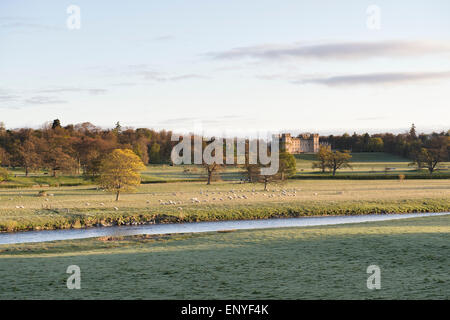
[
  {"x": 76, "y": 207},
  {"x": 326, "y": 262}
]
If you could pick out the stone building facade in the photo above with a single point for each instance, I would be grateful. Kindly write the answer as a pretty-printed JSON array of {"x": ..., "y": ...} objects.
[{"x": 303, "y": 143}]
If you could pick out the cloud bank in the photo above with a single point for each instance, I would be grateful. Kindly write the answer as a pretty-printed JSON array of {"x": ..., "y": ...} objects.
[
  {"x": 376, "y": 78},
  {"x": 343, "y": 50}
]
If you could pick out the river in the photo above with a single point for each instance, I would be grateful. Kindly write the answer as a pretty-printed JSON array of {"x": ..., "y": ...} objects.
[{"x": 69, "y": 234}]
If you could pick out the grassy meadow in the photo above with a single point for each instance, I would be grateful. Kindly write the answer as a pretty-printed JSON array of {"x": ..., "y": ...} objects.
[
  {"x": 370, "y": 165},
  {"x": 84, "y": 206},
  {"x": 327, "y": 262}
]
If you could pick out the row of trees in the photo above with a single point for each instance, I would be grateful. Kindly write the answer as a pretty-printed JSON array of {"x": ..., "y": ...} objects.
[
  {"x": 407, "y": 144},
  {"x": 78, "y": 148},
  {"x": 426, "y": 155},
  {"x": 332, "y": 161}
]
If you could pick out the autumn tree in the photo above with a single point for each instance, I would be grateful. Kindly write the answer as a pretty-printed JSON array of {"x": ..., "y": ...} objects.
[
  {"x": 436, "y": 151},
  {"x": 4, "y": 157},
  {"x": 322, "y": 158},
  {"x": 338, "y": 160},
  {"x": 120, "y": 171},
  {"x": 59, "y": 161},
  {"x": 252, "y": 171},
  {"x": 287, "y": 165},
  {"x": 3, "y": 173},
  {"x": 213, "y": 158},
  {"x": 56, "y": 124},
  {"x": 29, "y": 156},
  {"x": 154, "y": 154},
  {"x": 375, "y": 145},
  {"x": 211, "y": 169},
  {"x": 286, "y": 168}
]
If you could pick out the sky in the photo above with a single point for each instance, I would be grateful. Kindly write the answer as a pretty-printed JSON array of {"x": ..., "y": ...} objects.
[{"x": 227, "y": 66}]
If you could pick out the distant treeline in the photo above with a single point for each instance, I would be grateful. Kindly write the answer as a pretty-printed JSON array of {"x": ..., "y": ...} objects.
[
  {"x": 80, "y": 147},
  {"x": 404, "y": 144}
]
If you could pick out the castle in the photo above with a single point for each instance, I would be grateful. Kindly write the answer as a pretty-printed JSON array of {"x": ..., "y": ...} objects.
[{"x": 303, "y": 143}]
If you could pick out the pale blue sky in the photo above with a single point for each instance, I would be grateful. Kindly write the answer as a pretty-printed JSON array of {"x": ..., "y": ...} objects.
[{"x": 227, "y": 65}]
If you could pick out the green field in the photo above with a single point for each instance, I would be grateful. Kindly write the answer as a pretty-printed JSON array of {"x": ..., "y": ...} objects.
[
  {"x": 80, "y": 206},
  {"x": 327, "y": 262},
  {"x": 371, "y": 164},
  {"x": 364, "y": 164}
]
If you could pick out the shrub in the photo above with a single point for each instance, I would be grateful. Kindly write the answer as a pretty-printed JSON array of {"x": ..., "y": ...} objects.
[{"x": 3, "y": 174}]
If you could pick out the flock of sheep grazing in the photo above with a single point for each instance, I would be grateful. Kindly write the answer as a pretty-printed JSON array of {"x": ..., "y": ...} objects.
[
  {"x": 217, "y": 196},
  {"x": 205, "y": 197}
]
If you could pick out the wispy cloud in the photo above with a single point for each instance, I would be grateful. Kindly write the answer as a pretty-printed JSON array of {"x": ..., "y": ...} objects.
[
  {"x": 147, "y": 73},
  {"x": 371, "y": 118},
  {"x": 376, "y": 78},
  {"x": 8, "y": 98},
  {"x": 342, "y": 50},
  {"x": 164, "y": 38},
  {"x": 25, "y": 24},
  {"x": 44, "y": 100},
  {"x": 93, "y": 91},
  {"x": 186, "y": 76}
]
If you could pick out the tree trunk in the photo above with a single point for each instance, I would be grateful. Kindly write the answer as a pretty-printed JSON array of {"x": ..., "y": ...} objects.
[
  {"x": 209, "y": 177},
  {"x": 117, "y": 195},
  {"x": 26, "y": 171},
  {"x": 334, "y": 171},
  {"x": 265, "y": 184}
]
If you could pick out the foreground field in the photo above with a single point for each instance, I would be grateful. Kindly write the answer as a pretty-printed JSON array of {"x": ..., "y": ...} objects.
[
  {"x": 75, "y": 207},
  {"x": 293, "y": 263}
]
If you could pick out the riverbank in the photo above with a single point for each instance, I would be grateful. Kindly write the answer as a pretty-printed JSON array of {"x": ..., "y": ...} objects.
[
  {"x": 327, "y": 262},
  {"x": 52, "y": 219},
  {"x": 80, "y": 207}
]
